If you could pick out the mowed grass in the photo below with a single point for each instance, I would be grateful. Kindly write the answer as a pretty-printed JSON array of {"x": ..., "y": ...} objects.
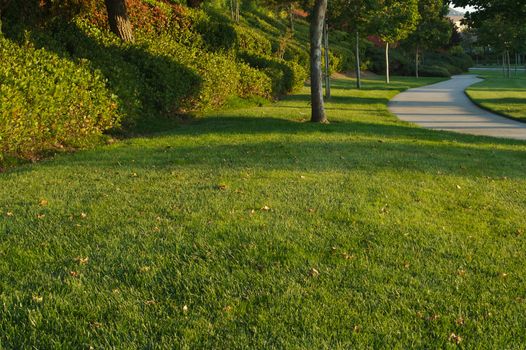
[
  {"x": 252, "y": 228},
  {"x": 506, "y": 96}
]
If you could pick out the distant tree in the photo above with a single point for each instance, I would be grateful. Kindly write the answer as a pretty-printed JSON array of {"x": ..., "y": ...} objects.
[
  {"x": 355, "y": 17},
  {"x": 499, "y": 23},
  {"x": 119, "y": 20},
  {"x": 287, "y": 5},
  {"x": 433, "y": 29},
  {"x": 318, "y": 14},
  {"x": 394, "y": 21}
]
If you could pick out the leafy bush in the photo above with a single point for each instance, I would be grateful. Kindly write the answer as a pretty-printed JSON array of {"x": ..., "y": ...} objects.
[
  {"x": 48, "y": 103},
  {"x": 285, "y": 76},
  {"x": 434, "y": 71}
]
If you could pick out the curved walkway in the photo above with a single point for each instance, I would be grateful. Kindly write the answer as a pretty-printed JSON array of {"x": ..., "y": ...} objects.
[{"x": 445, "y": 106}]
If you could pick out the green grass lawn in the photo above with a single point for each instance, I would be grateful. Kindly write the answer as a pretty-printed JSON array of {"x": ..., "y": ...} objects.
[
  {"x": 502, "y": 95},
  {"x": 251, "y": 228}
]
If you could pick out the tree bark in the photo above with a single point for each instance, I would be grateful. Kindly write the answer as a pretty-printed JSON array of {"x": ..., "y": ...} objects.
[
  {"x": 417, "y": 61},
  {"x": 194, "y": 3},
  {"x": 358, "y": 70},
  {"x": 316, "y": 76},
  {"x": 327, "y": 62},
  {"x": 387, "y": 78},
  {"x": 291, "y": 17},
  {"x": 118, "y": 18}
]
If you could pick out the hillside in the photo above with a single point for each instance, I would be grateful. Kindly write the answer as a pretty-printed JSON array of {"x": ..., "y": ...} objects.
[{"x": 183, "y": 61}]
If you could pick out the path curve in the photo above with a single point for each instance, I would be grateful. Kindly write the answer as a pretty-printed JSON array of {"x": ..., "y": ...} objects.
[{"x": 445, "y": 106}]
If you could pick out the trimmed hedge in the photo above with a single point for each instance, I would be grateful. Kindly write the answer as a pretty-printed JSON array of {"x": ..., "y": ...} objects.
[{"x": 49, "y": 103}]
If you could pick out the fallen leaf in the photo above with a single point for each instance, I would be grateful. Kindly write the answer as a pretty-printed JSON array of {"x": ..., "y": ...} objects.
[
  {"x": 457, "y": 339},
  {"x": 265, "y": 208},
  {"x": 95, "y": 325},
  {"x": 150, "y": 302},
  {"x": 185, "y": 308},
  {"x": 407, "y": 265},
  {"x": 313, "y": 272},
  {"x": 83, "y": 215},
  {"x": 460, "y": 321},
  {"x": 221, "y": 187},
  {"x": 41, "y": 216},
  {"x": 43, "y": 202},
  {"x": 433, "y": 317},
  {"x": 458, "y": 187},
  {"x": 9, "y": 213},
  {"x": 81, "y": 260},
  {"x": 37, "y": 298},
  {"x": 74, "y": 274}
]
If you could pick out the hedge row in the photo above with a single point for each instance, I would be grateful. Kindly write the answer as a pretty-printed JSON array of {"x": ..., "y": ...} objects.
[{"x": 47, "y": 102}]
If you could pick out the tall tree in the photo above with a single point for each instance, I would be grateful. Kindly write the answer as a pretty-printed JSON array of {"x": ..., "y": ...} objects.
[
  {"x": 433, "y": 29},
  {"x": 316, "y": 76},
  {"x": 355, "y": 17},
  {"x": 119, "y": 20},
  {"x": 395, "y": 20}
]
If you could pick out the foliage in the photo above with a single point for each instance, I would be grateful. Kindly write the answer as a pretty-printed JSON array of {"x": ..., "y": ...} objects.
[
  {"x": 436, "y": 63},
  {"x": 49, "y": 103},
  {"x": 285, "y": 76}
]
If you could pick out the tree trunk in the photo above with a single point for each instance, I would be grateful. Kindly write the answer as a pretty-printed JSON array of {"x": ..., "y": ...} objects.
[
  {"x": 316, "y": 76},
  {"x": 417, "y": 61},
  {"x": 291, "y": 18},
  {"x": 327, "y": 62},
  {"x": 387, "y": 78},
  {"x": 358, "y": 70},
  {"x": 118, "y": 18},
  {"x": 194, "y": 3},
  {"x": 504, "y": 64},
  {"x": 508, "y": 63}
]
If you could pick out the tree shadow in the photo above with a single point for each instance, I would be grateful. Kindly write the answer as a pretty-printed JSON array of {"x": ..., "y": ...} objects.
[{"x": 265, "y": 143}]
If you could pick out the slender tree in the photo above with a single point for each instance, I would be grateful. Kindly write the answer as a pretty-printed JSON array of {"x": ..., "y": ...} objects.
[
  {"x": 316, "y": 76},
  {"x": 395, "y": 20},
  {"x": 119, "y": 20},
  {"x": 354, "y": 17},
  {"x": 433, "y": 29}
]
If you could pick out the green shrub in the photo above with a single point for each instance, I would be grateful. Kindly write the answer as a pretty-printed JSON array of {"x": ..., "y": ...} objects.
[
  {"x": 49, "y": 103},
  {"x": 434, "y": 71},
  {"x": 285, "y": 76}
]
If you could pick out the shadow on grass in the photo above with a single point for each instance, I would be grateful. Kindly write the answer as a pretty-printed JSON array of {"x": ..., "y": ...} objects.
[{"x": 237, "y": 143}]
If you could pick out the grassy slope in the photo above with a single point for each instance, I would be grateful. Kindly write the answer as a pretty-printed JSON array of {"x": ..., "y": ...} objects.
[
  {"x": 415, "y": 234},
  {"x": 501, "y": 95}
]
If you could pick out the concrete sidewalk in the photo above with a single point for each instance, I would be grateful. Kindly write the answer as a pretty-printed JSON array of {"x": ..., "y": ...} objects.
[{"x": 445, "y": 106}]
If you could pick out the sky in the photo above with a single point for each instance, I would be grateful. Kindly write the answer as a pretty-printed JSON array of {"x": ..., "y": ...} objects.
[{"x": 468, "y": 8}]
